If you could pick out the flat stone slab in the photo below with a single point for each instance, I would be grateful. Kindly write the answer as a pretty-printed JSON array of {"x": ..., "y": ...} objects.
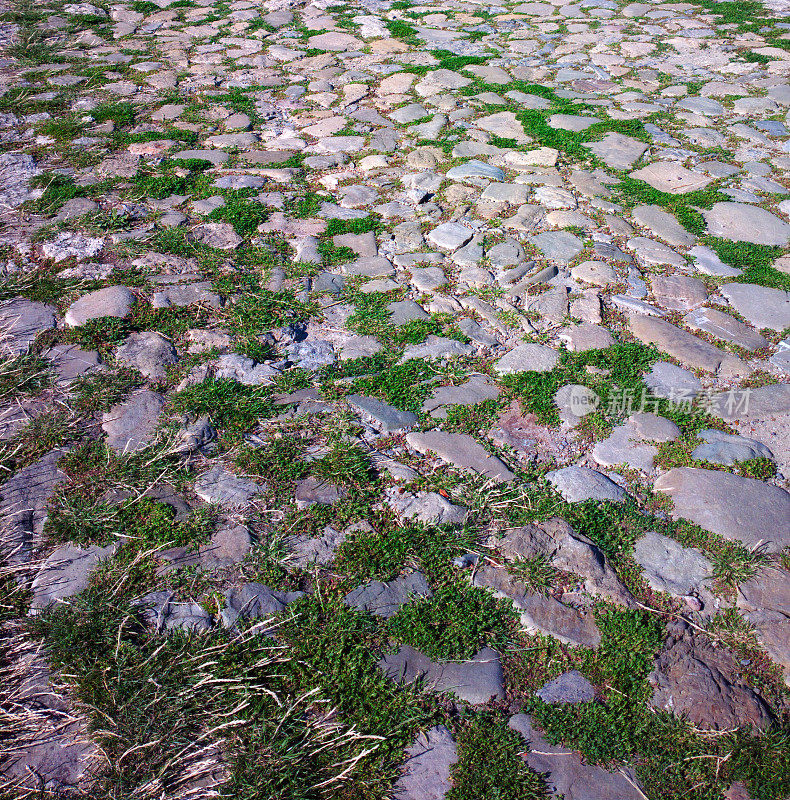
[
  {"x": 764, "y": 402},
  {"x": 669, "y": 380},
  {"x": 725, "y": 327},
  {"x": 687, "y": 348},
  {"x": 570, "y": 687},
  {"x": 219, "y": 485},
  {"x": 669, "y": 566},
  {"x": 426, "y": 772},
  {"x": 559, "y": 246},
  {"x": 736, "y": 508},
  {"x": 148, "y": 352},
  {"x": 315, "y": 491},
  {"x": 527, "y": 358},
  {"x": 671, "y": 177},
  {"x": 428, "y": 507},
  {"x": 23, "y": 504},
  {"x": 21, "y": 321},
  {"x": 476, "y": 390},
  {"x": 460, "y": 450},
  {"x": 132, "y": 425},
  {"x": 112, "y": 301},
  {"x": 742, "y": 222},
  {"x": 725, "y": 448},
  {"x": 762, "y": 306},
  {"x": 618, "y": 151},
  {"x": 567, "y": 774},
  {"x": 539, "y": 613},
  {"x": 450, "y": 236},
  {"x": 384, "y": 599},
  {"x": 254, "y": 601},
  {"x": 571, "y": 122},
  {"x": 577, "y": 484},
  {"x": 664, "y": 225},
  {"x": 474, "y": 681},
  {"x": 678, "y": 292},
  {"x": 381, "y": 416},
  {"x": 66, "y": 572}
]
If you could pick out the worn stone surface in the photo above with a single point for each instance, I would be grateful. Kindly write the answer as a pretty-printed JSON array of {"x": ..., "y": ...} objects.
[
  {"x": 739, "y": 509},
  {"x": 669, "y": 566},
  {"x": 568, "y": 776},
  {"x": 700, "y": 682},
  {"x": 475, "y": 681},
  {"x": 576, "y": 484},
  {"x": 219, "y": 485},
  {"x": 461, "y": 450},
  {"x": 426, "y": 772},
  {"x": 20, "y": 322},
  {"x": 132, "y": 425},
  {"x": 384, "y": 599},
  {"x": 570, "y": 687},
  {"x": 486, "y": 304}
]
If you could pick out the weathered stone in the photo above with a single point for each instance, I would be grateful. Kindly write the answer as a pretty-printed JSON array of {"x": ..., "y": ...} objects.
[
  {"x": 427, "y": 507},
  {"x": 539, "y": 613},
  {"x": 671, "y": 381},
  {"x": 132, "y": 425},
  {"x": 577, "y": 484},
  {"x": 570, "y": 687},
  {"x": 746, "y": 223},
  {"x": 669, "y": 176},
  {"x": 219, "y": 485},
  {"x": 148, "y": 352},
  {"x": 678, "y": 292},
  {"x": 693, "y": 679},
  {"x": 724, "y": 448},
  {"x": 567, "y": 774},
  {"x": 762, "y": 306},
  {"x": 527, "y": 358},
  {"x": 725, "y": 327},
  {"x": 164, "y": 615},
  {"x": 426, "y": 773},
  {"x": 379, "y": 415},
  {"x": 739, "y": 509},
  {"x": 474, "y": 681},
  {"x": 315, "y": 491},
  {"x": 460, "y": 450},
  {"x": 690, "y": 350},
  {"x": 384, "y": 599},
  {"x": 21, "y": 321},
  {"x": 114, "y": 301},
  {"x": 670, "y": 567},
  {"x": 65, "y": 573},
  {"x": 618, "y": 151},
  {"x": 254, "y": 601},
  {"x": 476, "y": 390},
  {"x": 23, "y": 505}
]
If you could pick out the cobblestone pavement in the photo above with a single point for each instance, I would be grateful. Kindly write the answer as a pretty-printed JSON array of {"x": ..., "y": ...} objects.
[{"x": 395, "y": 399}]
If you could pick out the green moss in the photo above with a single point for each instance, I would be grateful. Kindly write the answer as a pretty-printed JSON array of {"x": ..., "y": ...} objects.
[
  {"x": 454, "y": 623},
  {"x": 233, "y": 407},
  {"x": 140, "y": 523},
  {"x": 243, "y": 214},
  {"x": 402, "y": 385},
  {"x": 754, "y": 259},
  {"x": 625, "y": 363},
  {"x": 382, "y": 554},
  {"x": 489, "y": 761},
  {"x": 403, "y": 31}
]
